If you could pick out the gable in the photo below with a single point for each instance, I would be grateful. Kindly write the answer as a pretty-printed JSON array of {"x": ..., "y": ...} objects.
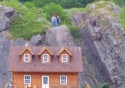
[
  {"x": 45, "y": 50},
  {"x": 26, "y": 50},
  {"x": 65, "y": 51}
]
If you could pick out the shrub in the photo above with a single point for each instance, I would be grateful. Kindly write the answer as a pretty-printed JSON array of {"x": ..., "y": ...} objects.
[
  {"x": 55, "y": 9},
  {"x": 106, "y": 85},
  {"x": 64, "y": 3},
  {"x": 74, "y": 31},
  {"x": 120, "y": 2},
  {"x": 70, "y": 3}
]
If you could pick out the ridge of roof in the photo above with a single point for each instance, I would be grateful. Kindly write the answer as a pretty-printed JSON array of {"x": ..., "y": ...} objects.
[
  {"x": 45, "y": 48},
  {"x": 63, "y": 50},
  {"x": 26, "y": 48}
]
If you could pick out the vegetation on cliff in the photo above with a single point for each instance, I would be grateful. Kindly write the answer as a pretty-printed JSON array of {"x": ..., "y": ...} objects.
[
  {"x": 32, "y": 20},
  {"x": 34, "y": 16},
  {"x": 29, "y": 21}
]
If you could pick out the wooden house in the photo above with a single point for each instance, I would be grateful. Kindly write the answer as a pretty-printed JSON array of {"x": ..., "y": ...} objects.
[{"x": 45, "y": 67}]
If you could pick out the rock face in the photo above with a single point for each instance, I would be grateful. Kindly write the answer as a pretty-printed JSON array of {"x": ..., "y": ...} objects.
[
  {"x": 59, "y": 36},
  {"x": 4, "y": 47},
  {"x": 6, "y": 14},
  {"x": 38, "y": 40},
  {"x": 103, "y": 43}
]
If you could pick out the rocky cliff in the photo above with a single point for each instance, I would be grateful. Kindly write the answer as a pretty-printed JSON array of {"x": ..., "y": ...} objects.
[
  {"x": 102, "y": 39},
  {"x": 103, "y": 43},
  {"x": 6, "y": 14}
]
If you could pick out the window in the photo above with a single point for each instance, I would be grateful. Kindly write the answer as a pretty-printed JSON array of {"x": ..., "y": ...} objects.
[
  {"x": 64, "y": 57},
  {"x": 63, "y": 80},
  {"x": 27, "y": 79},
  {"x": 26, "y": 57},
  {"x": 45, "y": 57}
]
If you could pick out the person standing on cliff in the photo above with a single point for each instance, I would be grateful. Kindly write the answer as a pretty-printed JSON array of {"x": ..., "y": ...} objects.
[
  {"x": 54, "y": 21},
  {"x": 58, "y": 21}
]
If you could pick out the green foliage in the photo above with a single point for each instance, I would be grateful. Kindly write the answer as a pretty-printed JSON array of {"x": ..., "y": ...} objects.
[
  {"x": 74, "y": 31},
  {"x": 55, "y": 9},
  {"x": 70, "y": 12},
  {"x": 63, "y": 3},
  {"x": 106, "y": 85},
  {"x": 120, "y": 2},
  {"x": 41, "y": 3},
  {"x": 29, "y": 4},
  {"x": 122, "y": 15},
  {"x": 70, "y": 3},
  {"x": 30, "y": 20}
]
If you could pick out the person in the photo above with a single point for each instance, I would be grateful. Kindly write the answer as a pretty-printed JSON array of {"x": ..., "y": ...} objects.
[
  {"x": 10, "y": 85},
  {"x": 58, "y": 20},
  {"x": 87, "y": 85},
  {"x": 54, "y": 22}
]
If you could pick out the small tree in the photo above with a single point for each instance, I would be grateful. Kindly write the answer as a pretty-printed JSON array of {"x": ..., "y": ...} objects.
[
  {"x": 106, "y": 85},
  {"x": 54, "y": 9}
]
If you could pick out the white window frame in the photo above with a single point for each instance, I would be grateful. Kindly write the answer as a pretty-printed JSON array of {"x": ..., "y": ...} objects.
[
  {"x": 28, "y": 57},
  {"x": 25, "y": 79},
  {"x": 47, "y": 58},
  {"x": 61, "y": 81},
  {"x": 66, "y": 58}
]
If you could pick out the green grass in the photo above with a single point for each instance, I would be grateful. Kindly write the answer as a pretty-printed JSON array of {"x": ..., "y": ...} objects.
[
  {"x": 70, "y": 12},
  {"x": 29, "y": 21},
  {"x": 101, "y": 5},
  {"x": 122, "y": 16},
  {"x": 21, "y": 28}
]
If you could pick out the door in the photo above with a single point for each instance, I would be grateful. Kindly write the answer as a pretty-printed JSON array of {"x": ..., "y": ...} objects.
[{"x": 45, "y": 81}]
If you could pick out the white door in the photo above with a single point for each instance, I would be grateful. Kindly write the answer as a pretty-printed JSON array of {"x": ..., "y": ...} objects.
[{"x": 45, "y": 81}]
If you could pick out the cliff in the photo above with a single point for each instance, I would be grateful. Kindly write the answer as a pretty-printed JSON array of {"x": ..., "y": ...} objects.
[
  {"x": 103, "y": 42},
  {"x": 101, "y": 37}
]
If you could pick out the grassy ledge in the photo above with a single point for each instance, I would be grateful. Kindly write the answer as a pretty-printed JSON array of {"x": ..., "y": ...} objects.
[{"x": 30, "y": 20}]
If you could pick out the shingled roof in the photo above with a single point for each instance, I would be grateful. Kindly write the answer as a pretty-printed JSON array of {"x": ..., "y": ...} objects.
[{"x": 16, "y": 65}]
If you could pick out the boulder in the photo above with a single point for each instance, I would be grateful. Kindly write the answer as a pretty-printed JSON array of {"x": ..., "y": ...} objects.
[
  {"x": 37, "y": 40},
  {"x": 59, "y": 36},
  {"x": 8, "y": 11},
  {"x": 6, "y": 14},
  {"x": 19, "y": 41}
]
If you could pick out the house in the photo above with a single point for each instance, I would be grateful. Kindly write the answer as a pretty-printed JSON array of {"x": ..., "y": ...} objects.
[{"x": 45, "y": 67}]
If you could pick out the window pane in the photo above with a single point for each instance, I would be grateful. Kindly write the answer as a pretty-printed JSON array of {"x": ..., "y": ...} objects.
[
  {"x": 45, "y": 80},
  {"x": 27, "y": 79},
  {"x": 26, "y": 57},
  {"x": 64, "y": 58},
  {"x": 63, "y": 80},
  {"x": 45, "y": 58}
]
